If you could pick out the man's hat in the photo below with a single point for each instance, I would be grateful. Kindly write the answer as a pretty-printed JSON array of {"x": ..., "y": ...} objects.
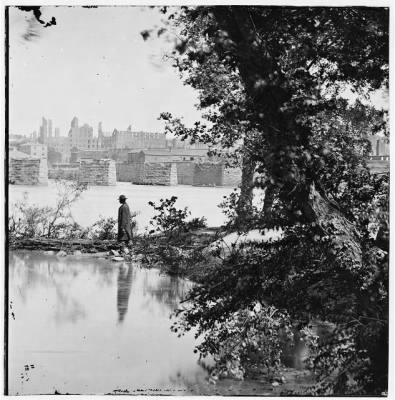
[{"x": 122, "y": 197}]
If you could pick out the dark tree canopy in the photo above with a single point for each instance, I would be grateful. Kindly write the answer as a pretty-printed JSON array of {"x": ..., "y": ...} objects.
[
  {"x": 265, "y": 74},
  {"x": 270, "y": 82}
]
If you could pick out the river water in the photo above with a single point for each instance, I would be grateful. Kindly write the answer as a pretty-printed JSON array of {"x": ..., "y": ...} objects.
[
  {"x": 90, "y": 326},
  {"x": 87, "y": 325},
  {"x": 103, "y": 200}
]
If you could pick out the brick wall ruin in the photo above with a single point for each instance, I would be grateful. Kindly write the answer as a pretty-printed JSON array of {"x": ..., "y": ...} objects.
[
  {"x": 232, "y": 177},
  {"x": 208, "y": 174},
  {"x": 43, "y": 172},
  {"x": 126, "y": 172},
  {"x": 181, "y": 173},
  {"x": 97, "y": 172},
  {"x": 27, "y": 171},
  {"x": 155, "y": 174},
  {"x": 185, "y": 171},
  {"x": 64, "y": 173}
]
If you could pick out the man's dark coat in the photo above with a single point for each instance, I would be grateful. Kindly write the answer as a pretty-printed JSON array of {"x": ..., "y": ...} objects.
[{"x": 124, "y": 225}]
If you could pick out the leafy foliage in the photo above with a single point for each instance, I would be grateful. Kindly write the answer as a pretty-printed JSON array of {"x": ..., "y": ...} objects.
[
  {"x": 28, "y": 221},
  {"x": 270, "y": 80},
  {"x": 230, "y": 208},
  {"x": 106, "y": 228},
  {"x": 249, "y": 336},
  {"x": 32, "y": 221},
  {"x": 172, "y": 221},
  {"x": 171, "y": 228},
  {"x": 266, "y": 87},
  {"x": 302, "y": 276}
]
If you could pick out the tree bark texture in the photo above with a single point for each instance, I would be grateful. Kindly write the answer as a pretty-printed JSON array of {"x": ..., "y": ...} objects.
[
  {"x": 281, "y": 131},
  {"x": 330, "y": 219},
  {"x": 270, "y": 194},
  {"x": 244, "y": 205}
]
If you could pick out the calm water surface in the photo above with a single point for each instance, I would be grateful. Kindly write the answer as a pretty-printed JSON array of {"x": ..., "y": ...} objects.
[
  {"x": 94, "y": 326},
  {"x": 86, "y": 325},
  {"x": 90, "y": 326}
]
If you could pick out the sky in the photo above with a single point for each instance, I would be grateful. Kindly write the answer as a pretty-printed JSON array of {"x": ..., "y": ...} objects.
[{"x": 93, "y": 64}]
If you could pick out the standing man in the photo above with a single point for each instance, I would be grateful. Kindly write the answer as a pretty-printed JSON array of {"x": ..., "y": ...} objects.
[{"x": 124, "y": 222}]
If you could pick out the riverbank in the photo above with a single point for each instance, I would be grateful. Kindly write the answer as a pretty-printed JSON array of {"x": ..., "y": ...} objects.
[
  {"x": 80, "y": 299},
  {"x": 147, "y": 249},
  {"x": 183, "y": 250}
]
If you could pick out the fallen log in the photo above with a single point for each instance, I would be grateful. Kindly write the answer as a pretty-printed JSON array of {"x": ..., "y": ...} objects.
[
  {"x": 61, "y": 244},
  {"x": 142, "y": 244}
]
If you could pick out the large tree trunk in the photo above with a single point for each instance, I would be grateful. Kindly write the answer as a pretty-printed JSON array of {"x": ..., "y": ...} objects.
[
  {"x": 281, "y": 132},
  {"x": 270, "y": 194},
  {"x": 244, "y": 205},
  {"x": 344, "y": 236}
]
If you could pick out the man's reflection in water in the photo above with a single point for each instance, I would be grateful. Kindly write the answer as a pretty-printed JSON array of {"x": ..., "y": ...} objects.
[{"x": 124, "y": 286}]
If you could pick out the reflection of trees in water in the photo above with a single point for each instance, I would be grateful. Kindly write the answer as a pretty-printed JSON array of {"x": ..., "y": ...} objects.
[
  {"x": 105, "y": 274},
  {"x": 67, "y": 308},
  {"x": 168, "y": 290},
  {"x": 32, "y": 271},
  {"x": 197, "y": 384},
  {"x": 28, "y": 271},
  {"x": 21, "y": 271},
  {"x": 194, "y": 383},
  {"x": 294, "y": 352},
  {"x": 30, "y": 268},
  {"x": 124, "y": 285}
]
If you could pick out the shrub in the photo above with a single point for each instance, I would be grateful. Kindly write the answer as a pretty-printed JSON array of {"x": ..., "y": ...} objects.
[
  {"x": 31, "y": 221},
  {"x": 172, "y": 221},
  {"x": 104, "y": 229},
  {"x": 247, "y": 338},
  {"x": 107, "y": 228},
  {"x": 27, "y": 221},
  {"x": 303, "y": 278}
]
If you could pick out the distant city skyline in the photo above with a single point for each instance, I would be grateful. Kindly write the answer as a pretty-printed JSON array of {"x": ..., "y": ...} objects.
[
  {"x": 96, "y": 129},
  {"x": 93, "y": 64}
]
